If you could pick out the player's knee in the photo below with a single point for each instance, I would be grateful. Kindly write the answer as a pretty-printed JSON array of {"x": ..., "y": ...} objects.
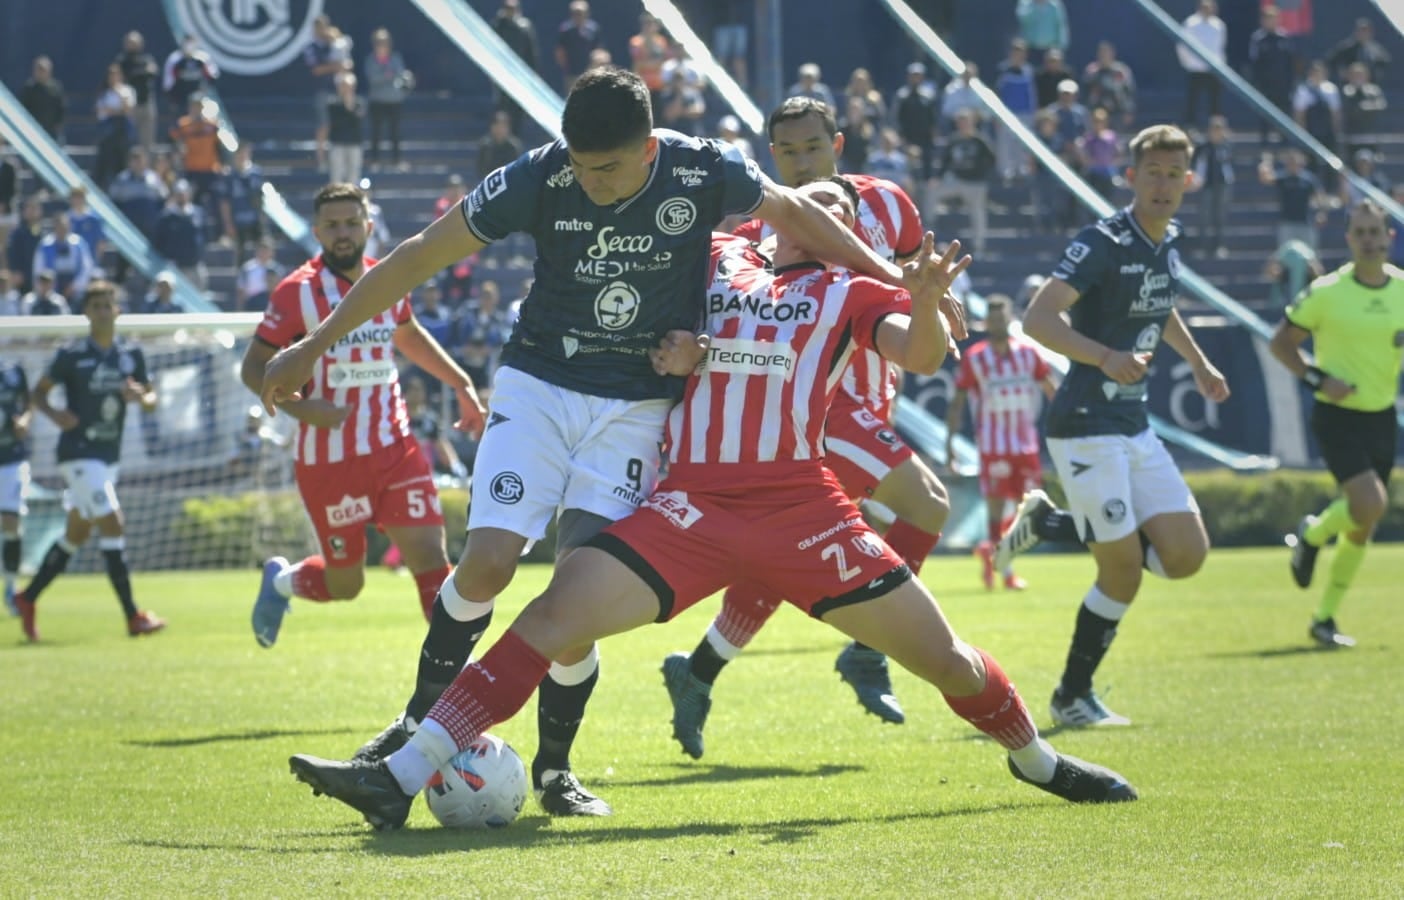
[
  {"x": 1367, "y": 511},
  {"x": 549, "y": 623},
  {"x": 1184, "y": 561},
  {"x": 484, "y": 573}
]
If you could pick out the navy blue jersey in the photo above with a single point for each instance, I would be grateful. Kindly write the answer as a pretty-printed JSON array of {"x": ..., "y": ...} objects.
[
  {"x": 610, "y": 281},
  {"x": 14, "y": 400},
  {"x": 92, "y": 378},
  {"x": 1127, "y": 286}
]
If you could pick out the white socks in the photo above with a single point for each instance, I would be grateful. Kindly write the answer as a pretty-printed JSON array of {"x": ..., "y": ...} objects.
[
  {"x": 428, "y": 751},
  {"x": 569, "y": 676},
  {"x": 1037, "y": 760},
  {"x": 725, "y": 649},
  {"x": 459, "y": 609}
]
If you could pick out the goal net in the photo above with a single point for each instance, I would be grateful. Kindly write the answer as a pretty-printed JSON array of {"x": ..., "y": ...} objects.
[{"x": 205, "y": 481}]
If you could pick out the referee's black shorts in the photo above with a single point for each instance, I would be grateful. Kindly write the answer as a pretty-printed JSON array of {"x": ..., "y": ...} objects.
[{"x": 1353, "y": 442}]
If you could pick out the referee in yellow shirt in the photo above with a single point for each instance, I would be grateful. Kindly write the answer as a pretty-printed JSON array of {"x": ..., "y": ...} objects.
[{"x": 1355, "y": 317}]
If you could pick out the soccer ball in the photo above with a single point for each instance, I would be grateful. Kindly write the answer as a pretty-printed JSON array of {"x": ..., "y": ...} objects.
[{"x": 484, "y": 786}]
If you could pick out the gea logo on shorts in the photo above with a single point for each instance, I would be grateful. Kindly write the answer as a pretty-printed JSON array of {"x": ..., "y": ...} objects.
[
  {"x": 254, "y": 37},
  {"x": 675, "y": 507},
  {"x": 349, "y": 511}
]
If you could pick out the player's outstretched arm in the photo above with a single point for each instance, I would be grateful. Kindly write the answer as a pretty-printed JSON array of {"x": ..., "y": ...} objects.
[
  {"x": 1209, "y": 380},
  {"x": 1286, "y": 347},
  {"x": 807, "y": 223},
  {"x": 1044, "y": 322},
  {"x": 408, "y": 266},
  {"x": 421, "y": 349}
]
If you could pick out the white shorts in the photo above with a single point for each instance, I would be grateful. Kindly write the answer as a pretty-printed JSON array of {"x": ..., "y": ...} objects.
[
  {"x": 91, "y": 487},
  {"x": 548, "y": 449},
  {"x": 14, "y": 485},
  {"x": 1114, "y": 483}
]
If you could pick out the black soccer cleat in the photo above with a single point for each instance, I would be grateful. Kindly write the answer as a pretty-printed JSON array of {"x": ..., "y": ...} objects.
[
  {"x": 1303, "y": 561},
  {"x": 1324, "y": 632},
  {"x": 691, "y": 702},
  {"x": 368, "y": 788},
  {"x": 1078, "y": 781},
  {"x": 563, "y": 795},
  {"x": 382, "y": 745}
]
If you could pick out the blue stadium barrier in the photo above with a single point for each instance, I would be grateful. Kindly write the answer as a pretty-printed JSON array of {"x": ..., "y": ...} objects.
[
  {"x": 56, "y": 169},
  {"x": 283, "y": 216},
  {"x": 475, "y": 37}
]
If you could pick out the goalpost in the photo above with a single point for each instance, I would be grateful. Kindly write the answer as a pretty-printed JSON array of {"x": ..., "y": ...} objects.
[{"x": 205, "y": 481}]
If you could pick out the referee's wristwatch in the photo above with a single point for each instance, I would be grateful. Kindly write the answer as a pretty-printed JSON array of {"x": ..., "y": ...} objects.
[{"x": 1314, "y": 377}]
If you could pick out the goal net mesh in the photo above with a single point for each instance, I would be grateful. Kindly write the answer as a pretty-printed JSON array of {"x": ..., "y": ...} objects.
[{"x": 205, "y": 481}]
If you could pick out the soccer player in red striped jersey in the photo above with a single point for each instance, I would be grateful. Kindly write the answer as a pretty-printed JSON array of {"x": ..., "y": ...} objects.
[
  {"x": 746, "y": 496},
  {"x": 1006, "y": 382},
  {"x": 357, "y": 462},
  {"x": 862, "y": 449}
]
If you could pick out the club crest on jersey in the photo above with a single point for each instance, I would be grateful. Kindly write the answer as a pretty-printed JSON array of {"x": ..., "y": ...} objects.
[
  {"x": 675, "y": 215},
  {"x": 617, "y": 306},
  {"x": 349, "y": 511},
  {"x": 1172, "y": 261},
  {"x": 675, "y": 507},
  {"x": 570, "y": 345}
]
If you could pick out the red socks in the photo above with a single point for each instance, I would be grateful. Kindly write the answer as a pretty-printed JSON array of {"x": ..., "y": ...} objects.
[
  {"x": 911, "y": 543},
  {"x": 429, "y": 584},
  {"x": 309, "y": 579},
  {"x": 998, "y": 710},
  {"x": 490, "y": 690},
  {"x": 745, "y": 608}
]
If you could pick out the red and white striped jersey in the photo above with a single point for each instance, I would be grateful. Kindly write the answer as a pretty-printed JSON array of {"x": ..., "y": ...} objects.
[
  {"x": 359, "y": 371},
  {"x": 1005, "y": 396},
  {"x": 780, "y": 343},
  {"x": 888, "y": 222}
]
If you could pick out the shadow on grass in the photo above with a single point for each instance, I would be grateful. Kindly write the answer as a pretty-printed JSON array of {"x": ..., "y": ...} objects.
[
  {"x": 703, "y": 774},
  {"x": 538, "y": 831},
  {"x": 1297, "y": 650},
  {"x": 262, "y": 734}
]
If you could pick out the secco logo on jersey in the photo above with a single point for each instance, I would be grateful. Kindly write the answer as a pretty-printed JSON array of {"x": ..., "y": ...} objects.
[
  {"x": 675, "y": 215},
  {"x": 735, "y": 356},
  {"x": 349, "y": 511},
  {"x": 675, "y": 507},
  {"x": 802, "y": 311},
  {"x": 606, "y": 242},
  {"x": 617, "y": 306}
]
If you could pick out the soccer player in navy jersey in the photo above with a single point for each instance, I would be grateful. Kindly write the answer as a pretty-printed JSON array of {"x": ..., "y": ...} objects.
[
  {"x": 15, "y": 417},
  {"x": 747, "y": 496},
  {"x": 1117, "y": 283},
  {"x": 100, "y": 375},
  {"x": 622, "y": 216}
]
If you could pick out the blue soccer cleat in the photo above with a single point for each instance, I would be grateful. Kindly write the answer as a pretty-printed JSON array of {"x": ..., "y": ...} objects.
[{"x": 271, "y": 606}]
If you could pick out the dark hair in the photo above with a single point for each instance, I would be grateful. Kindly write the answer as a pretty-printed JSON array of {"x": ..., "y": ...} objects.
[
  {"x": 849, "y": 191},
  {"x": 1000, "y": 302},
  {"x": 1160, "y": 137},
  {"x": 336, "y": 192},
  {"x": 797, "y": 108},
  {"x": 608, "y": 108}
]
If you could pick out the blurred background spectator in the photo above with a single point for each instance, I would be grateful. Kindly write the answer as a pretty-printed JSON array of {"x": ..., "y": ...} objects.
[
  {"x": 1043, "y": 24},
  {"x": 188, "y": 71},
  {"x": 1272, "y": 65},
  {"x": 576, "y": 37},
  {"x": 341, "y": 142},
  {"x": 388, "y": 82},
  {"x": 44, "y": 300},
  {"x": 1209, "y": 31},
  {"x": 42, "y": 96},
  {"x": 139, "y": 70},
  {"x": 518, "y": 33},
  {"x": 811, "y": 84},
  {"x": 1212, "y": 176},
  {"x": 116, "y": 131}
]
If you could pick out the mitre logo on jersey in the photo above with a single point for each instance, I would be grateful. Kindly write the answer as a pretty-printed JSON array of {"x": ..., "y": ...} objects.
[
  {"x": 574, "y": 225},
  {"x": 617, "y": 306},
  {"x": 737, "y": 356},
  {"x": 803, "y": 310},
  {"x": 349, "y": 511},
  {"x": 675, "y": 215},
  {"x": 674, "y": 506}
]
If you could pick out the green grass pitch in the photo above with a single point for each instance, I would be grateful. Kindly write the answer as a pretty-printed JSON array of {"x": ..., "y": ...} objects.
[{"x": 157, "y": 767}]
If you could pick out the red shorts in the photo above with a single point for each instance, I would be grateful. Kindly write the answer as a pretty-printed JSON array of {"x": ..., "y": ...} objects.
[
  {"x": 1010, "y": 477},
  {"x": 390, "y": 487},
  {"x": 794, "y": 532},
  {"x": 859, "y": 447}
]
